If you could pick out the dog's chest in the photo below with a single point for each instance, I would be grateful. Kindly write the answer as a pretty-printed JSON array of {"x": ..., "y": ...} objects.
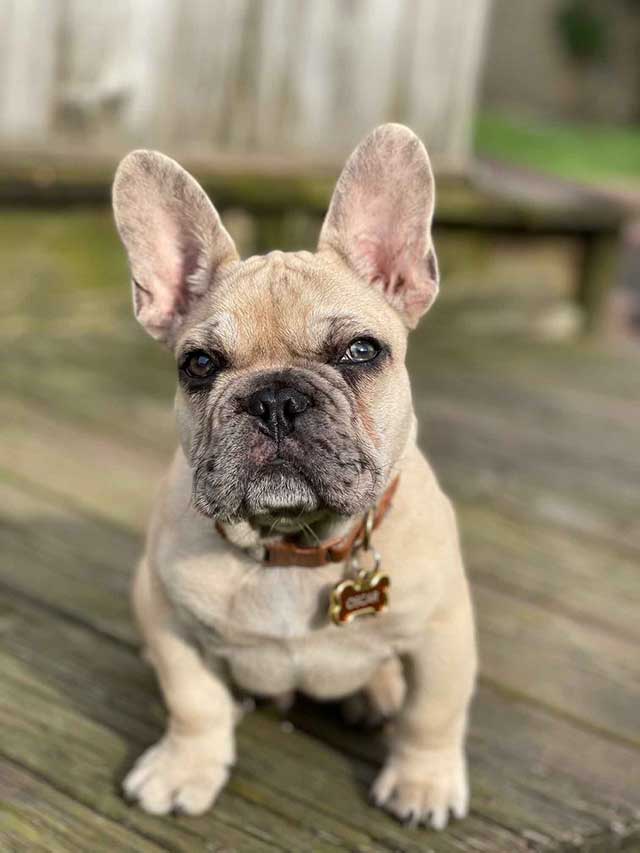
[
  {"x": 322, "y": 665},
  {"x": 272, "y": 631}
]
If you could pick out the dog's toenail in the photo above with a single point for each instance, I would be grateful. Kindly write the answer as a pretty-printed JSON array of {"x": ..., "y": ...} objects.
[{"x": 410, "y": 818}]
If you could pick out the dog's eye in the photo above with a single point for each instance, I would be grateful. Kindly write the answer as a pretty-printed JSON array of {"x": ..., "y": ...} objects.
[
  {"x": 199, "y": 365},
  {"x": 360, "y": 350}
]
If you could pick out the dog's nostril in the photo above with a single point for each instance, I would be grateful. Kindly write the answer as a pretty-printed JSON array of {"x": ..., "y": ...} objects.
[
  {"x": 260, "y": 409},
  {"x": 277, "y": 411},
  {"x": 262, "y": 404},
  {"x": 294, "y": 404}
]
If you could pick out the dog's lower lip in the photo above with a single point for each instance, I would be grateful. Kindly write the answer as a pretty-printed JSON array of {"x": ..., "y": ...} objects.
[{"x": 285, "y": 520}]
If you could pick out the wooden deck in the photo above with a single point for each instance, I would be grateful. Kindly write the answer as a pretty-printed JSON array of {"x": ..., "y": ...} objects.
[{"x": 539, "y": 446}]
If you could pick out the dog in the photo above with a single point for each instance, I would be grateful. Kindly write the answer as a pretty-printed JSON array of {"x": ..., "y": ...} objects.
[{"x": 300, "y": 541}]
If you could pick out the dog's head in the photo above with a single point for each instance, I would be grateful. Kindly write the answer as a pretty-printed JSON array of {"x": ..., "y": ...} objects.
[{"x": 293, "y": 398}]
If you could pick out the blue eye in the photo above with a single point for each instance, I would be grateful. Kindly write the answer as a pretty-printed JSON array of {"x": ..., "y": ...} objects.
[{"x": 360, "y": 351}]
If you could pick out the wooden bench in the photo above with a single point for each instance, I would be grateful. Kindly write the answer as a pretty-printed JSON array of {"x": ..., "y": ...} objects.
[{"x": 491, "y": 199}]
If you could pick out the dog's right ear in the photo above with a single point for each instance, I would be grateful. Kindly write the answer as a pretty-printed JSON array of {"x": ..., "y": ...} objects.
[{"x": 174, "y": 238}]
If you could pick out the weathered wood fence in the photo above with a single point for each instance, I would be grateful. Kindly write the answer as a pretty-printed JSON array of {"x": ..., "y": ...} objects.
[{"x": 298, "y": 79}]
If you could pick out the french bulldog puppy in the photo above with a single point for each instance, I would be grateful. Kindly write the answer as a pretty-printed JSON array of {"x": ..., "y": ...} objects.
[{"x": 294, "y": 416}]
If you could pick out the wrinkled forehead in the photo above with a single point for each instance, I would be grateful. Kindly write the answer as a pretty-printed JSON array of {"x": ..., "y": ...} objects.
[{"x": 283, "y": 306}]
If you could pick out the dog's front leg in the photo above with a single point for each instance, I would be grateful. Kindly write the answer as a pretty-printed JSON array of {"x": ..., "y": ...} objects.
[
  {"x": 425, "y": 775},
  {"x": 188, "y": 766}
]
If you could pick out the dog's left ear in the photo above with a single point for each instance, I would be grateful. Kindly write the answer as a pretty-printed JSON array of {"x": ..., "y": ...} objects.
[{"x": 380, "y": 216}]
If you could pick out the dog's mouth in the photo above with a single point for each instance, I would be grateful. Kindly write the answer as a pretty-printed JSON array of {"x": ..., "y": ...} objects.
[
  {"x": 280, "y": 500},
  {"x": 279, "y": 491},
  {"x": 276, "y": 495},
  {"x": 287, "y": 523}
]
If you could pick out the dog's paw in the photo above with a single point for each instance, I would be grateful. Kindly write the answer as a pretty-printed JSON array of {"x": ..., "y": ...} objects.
[
  {"x": 424, "y": 788},
  {"x": 380, "y": 699},
  {"x": 180, "y": 776}
]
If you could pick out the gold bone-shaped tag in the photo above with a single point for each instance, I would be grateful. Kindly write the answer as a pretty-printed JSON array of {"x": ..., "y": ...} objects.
[{"x": 355, "y": 597}]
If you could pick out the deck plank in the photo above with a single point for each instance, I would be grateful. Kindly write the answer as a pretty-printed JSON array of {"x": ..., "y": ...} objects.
[
  {"x": 553, "y": 568},
  {"x": 118, "y": 693},
  {"x": 35, "y": 816},
  {"x": 482, "y": 463},
  {"x": 506, "y": 734},
  {"x": 577, "y": 670},
  {"x": 537, "y": 444},
  {"x": 307, "y": 796},
  {"x": 96, "y": 471},
  {"x": 43, "y": 730}
]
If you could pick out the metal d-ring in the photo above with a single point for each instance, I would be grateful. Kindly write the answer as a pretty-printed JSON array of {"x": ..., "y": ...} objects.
[
  {"x": 364, "y": 544},
  {"x": 369, "y": 520},
  {"x": 359, "y": 571}
]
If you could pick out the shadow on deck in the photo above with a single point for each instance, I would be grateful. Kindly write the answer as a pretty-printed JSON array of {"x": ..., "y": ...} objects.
[{"x": 538, "y": 445}]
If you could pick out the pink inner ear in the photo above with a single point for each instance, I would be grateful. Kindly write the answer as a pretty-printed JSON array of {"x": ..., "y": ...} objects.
[
  {"x": 384, "y": 262},
  {"x": 387, "y": 265},
  {"x": 386, "y": 235},
  {"x": 163, "y": 281},
  {"x": 379, "y": 219},
  {"x": 405, "y": 280}
]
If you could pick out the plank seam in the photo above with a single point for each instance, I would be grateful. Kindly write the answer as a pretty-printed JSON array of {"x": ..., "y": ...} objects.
[
  {"x": 515, "y": 509},
  {"x": 536, "y": 599},
  {"x": 61, "y": 790},
  {"x": 68, "y": 616},
  {"x": 553, "y": 711},
  {"x": 594, "y": 843},
  {"x": 29, "y": 771},
  {"x": 49, "y": 495}
]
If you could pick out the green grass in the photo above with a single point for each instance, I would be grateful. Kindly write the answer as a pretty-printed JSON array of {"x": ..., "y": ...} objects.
[{"x": 591, "y": 153}]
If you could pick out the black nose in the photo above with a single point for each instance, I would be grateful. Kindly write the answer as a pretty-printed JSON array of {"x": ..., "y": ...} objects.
[{"x": 277, "y": 409}]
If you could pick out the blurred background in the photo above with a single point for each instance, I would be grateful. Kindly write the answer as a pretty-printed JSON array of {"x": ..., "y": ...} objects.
[
  {"x": 526, "y": 376},
  {"x": 530, "y": 112}
]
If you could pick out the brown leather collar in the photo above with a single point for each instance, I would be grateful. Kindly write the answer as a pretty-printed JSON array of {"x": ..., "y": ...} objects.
[{"x": 286, "y": 553}]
